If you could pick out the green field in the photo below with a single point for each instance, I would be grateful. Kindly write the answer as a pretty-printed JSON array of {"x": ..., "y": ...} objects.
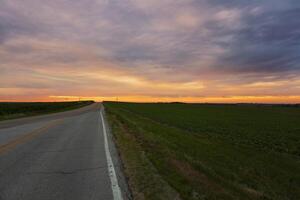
[
  {"x": 206, "y": 151},
  {"x": 9, "y": 110}
]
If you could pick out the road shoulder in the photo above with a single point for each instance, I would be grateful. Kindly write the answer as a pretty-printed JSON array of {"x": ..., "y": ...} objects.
[{"x": 115, "y": 155}]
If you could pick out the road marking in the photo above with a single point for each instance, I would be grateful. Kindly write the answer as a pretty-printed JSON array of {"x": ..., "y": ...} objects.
[
  {"x": 111, "y": 169},
  {"x": 24, "y": 138}
]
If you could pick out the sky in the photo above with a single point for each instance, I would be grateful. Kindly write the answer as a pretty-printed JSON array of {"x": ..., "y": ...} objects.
[{"x": 150, "y": 50}]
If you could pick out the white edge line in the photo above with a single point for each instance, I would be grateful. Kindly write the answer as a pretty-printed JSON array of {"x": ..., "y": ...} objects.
[{"x": 111, "y": 169}]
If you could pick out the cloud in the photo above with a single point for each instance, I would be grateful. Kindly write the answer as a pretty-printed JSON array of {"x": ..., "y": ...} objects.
[
  {"x": 268, "y": 43},
  {"x": 140, "y": 47}
]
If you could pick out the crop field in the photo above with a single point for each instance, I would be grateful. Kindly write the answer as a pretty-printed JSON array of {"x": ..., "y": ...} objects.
[
  {"x": 9, "y": 110},
  {"x": 208, "y": 151}
]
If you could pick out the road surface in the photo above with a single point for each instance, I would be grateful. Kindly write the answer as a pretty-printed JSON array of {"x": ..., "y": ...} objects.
[{"x": 58, "y": 156}]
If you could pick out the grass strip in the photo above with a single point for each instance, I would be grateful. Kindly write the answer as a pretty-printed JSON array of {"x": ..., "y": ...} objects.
[
  {"x": 143, "y": 178},
  {"x": 13, "y": 110}
]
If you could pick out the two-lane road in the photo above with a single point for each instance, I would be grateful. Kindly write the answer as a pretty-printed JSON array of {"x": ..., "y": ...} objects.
[{"x": 58, "y": 156}]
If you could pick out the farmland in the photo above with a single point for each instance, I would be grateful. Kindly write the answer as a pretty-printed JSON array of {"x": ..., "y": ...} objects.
[
  {"x": 207, "y": 151},
  {"x": 10, "y": 110}
]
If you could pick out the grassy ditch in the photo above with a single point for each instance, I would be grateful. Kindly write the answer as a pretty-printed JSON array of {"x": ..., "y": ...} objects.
[{"x": 208, "y": 151}]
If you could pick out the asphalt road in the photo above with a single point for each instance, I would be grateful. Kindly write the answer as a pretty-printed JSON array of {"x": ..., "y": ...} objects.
[{"x": 57, "y": 156}]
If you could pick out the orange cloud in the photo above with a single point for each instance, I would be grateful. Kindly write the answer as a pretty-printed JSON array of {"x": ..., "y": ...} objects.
[{"x": 229, "y": 99}]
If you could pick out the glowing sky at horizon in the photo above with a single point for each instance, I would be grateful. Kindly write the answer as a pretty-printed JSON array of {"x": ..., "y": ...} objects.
[{"x": 150, "y": 50}]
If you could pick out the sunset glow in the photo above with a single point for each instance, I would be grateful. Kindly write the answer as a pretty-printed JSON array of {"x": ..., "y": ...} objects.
[{"x": 150, "y": 51}]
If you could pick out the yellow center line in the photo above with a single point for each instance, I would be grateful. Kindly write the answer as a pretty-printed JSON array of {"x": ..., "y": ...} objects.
[{"x": 24, "y": 138}]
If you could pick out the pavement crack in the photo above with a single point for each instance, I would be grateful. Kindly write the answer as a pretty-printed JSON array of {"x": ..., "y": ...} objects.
[
  {"x": 66, "y": 150},
  {"x": 66, "y": 172}
]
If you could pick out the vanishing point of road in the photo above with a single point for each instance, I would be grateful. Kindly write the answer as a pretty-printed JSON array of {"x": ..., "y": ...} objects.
[{"x": 62, "y": 156}]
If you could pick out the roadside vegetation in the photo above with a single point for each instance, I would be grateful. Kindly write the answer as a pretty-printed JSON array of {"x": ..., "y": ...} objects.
[
  {"x": 12, "y": 110},
  {"x": 206, "y": 151}
]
